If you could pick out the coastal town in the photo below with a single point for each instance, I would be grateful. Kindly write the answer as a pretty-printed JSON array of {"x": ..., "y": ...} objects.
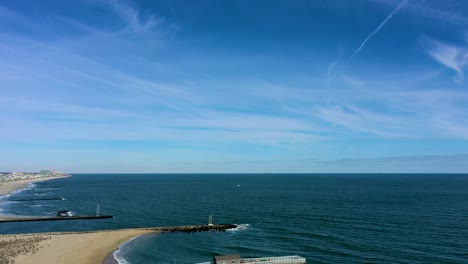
[{"x": 18, "y": 176}]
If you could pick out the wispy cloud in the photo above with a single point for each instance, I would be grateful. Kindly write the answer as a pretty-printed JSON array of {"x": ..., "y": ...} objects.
[
  {"x": 394, "y": 164},
  {"x": 361, "y": 120},
  {"x": 399, "y": 164},
  {"x": 93, "y": 83},
  {"x": 450, "y": 56},
  {"x": 394, "y": 11},
  {"x": 135, "y": 23},
  {"x": 353, "y": 81}
]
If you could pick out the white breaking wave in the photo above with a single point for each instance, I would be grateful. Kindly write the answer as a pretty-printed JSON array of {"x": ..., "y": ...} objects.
[
  {"x": 43, "y": 194},
  {"x": 30, "y": 186},
  {"x": 239, "y": 227},
  {"x": 118, "y": 254}
]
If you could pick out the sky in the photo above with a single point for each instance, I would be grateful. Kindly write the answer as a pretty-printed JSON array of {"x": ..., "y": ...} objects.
[{"x": 322, "y": 86}]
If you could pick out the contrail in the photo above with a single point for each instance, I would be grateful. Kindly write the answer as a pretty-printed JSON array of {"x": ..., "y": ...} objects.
[{"x": 399, "y": 6}]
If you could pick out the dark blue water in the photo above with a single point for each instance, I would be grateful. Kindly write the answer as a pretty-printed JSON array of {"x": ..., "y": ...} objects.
[{"x": 367, "y": 218}]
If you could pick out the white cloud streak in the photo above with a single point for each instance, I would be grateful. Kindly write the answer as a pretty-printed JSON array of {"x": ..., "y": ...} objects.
[
  {"x": 450, "y": 56},
  {"x": 353, "y": 81},
  {"x": 132, "y": 17},
  {"x": 195, "y": 111},
  {"x": 394, "y": 11}
]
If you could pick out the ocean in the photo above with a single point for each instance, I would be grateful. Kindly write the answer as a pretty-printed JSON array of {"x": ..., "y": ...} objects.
[{"x": 327, "y": 218}]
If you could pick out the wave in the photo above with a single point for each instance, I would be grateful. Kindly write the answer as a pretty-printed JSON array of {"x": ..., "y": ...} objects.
[
  {"x": 42, "y": 193},
  {"x": 240, "y": 227},
  {"x": 72, "y": 213},
  {"x": 118, "y": 254},
  {"x": 30, "y": 186},
  {"x": 4, "y": 198}
]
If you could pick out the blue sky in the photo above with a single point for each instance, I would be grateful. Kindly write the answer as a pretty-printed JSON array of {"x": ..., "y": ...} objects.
[{"x": 234, "y": 86}]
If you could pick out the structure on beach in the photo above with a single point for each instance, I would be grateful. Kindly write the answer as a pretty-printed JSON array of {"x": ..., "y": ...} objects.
[
  {"x": 236, "y": 259},
  {"x": 233, "y": 259}
]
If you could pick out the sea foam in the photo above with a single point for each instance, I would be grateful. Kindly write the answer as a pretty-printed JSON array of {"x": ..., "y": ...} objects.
[
  {"x": 118, "y": 254},
  {"x": 5, "y": 202},
  {"x": 240, "y": 227}
]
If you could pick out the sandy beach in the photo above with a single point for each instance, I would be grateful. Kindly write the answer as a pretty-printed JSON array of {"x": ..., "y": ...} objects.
[
  {"x": 74, "y": 247},
  {"x": 81, "y": 247},
  {"x": 11, "y": 186},
  {"x": 84, "y": 248}
]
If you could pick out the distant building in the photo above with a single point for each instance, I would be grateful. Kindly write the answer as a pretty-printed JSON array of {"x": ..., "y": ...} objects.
[
  {"x": 45, "y": 173},
  {"x": 236, "y": 259}
]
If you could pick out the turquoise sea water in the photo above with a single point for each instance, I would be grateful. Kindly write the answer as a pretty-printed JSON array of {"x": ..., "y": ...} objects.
[{"x": 351, "y": 218}]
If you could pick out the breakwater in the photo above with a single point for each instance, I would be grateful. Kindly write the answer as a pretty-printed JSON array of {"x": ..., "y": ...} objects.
[
  {"x": 37, "y": 199},
  {"x": 56, "y": 218},
  {"x": 194, "y": 228},
  {"x": 163, "y": 229},
  {"x": 80, "y": 247}
]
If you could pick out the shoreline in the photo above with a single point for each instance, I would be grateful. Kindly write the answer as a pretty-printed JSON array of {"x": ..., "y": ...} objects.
[
  {"x": 82, "y": 247},
  {"x": 10, "y": 187},
  {"x": 66, "y": 247},
  {"x": 7, "y": 188},
  {"x": 111, "y": 259},
  {"x": 73, "y": 247}
]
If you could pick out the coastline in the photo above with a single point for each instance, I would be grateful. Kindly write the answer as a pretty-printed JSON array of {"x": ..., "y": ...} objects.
[
  {"x": 85, "y": 248},
  {"x": 63, "y": 247},
  {"x": 111, "y": 257},
  {"x": 8, "y": 187}
]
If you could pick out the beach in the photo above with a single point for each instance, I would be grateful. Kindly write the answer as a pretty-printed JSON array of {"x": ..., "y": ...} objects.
[
  {"x": 81, "y": 247},
  {"x": 84, "y": 247},
  {"x": 58, "y": 247},
  {"x": 11, "y": 186},
  {"x": 325, "y": 218},
  {"x": 94, "y": 246}
]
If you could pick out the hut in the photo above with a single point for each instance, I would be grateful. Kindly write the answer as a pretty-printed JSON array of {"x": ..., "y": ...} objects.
[{"x": 228, "y": 259}]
